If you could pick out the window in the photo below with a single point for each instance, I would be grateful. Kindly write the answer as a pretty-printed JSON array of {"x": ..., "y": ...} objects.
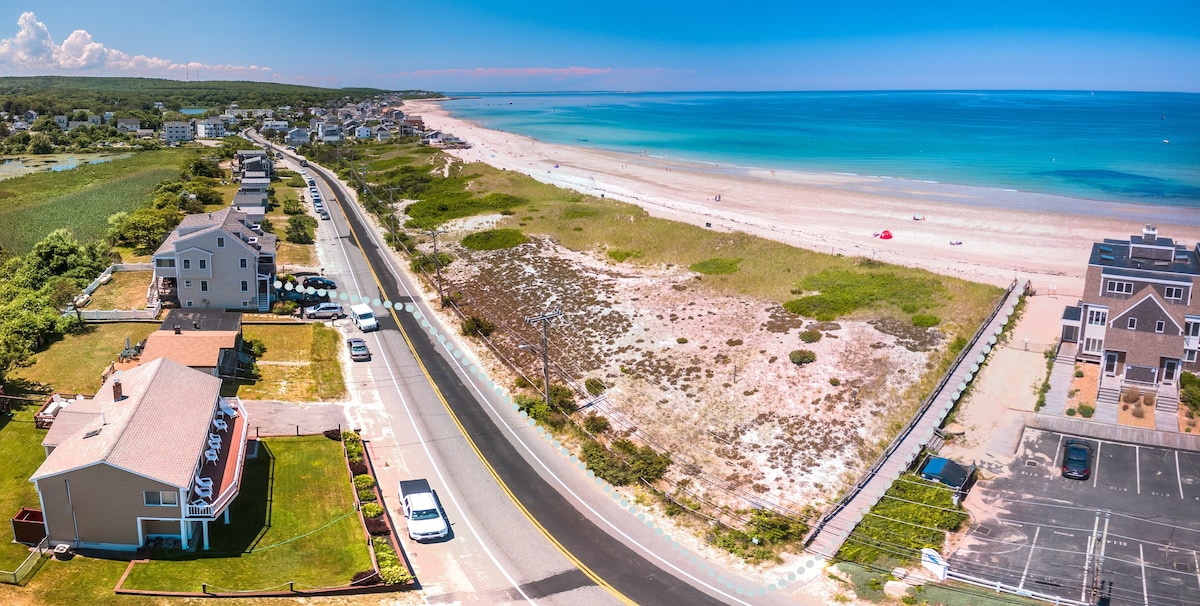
[
  {"x": 203, "y": 285},
  {"x": 203, "y": 264},
  {"x": 246, "y": 288},
  {"x": 164, "y": 262},
  {"x": 189, "y": 303},
  {"x": 220, "y": 243},
  {"x": 1192, "y": 329},
  {"x": 1093, "y": 345},
  {"x": 187, "y": 263},
  {"x": 245, "y": 263},
  {"x": 1189, "y": 355},
  {"x": 187, "y": 283},
  {"x": 1173, "y": 292},
  {"x": 1160, "y": 326},
  {"x": 163, "y": 498},
  {"x": 1132, "y": 324},
  {"x": 1122, "y": 288},
  {"x": 1097, "y": 317}
]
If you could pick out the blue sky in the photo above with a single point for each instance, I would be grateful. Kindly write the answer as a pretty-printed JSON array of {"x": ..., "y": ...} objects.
[{"x": 482, "y": 45}]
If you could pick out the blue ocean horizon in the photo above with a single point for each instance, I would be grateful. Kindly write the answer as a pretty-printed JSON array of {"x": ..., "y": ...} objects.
[{"x": 1123, "y": 147}]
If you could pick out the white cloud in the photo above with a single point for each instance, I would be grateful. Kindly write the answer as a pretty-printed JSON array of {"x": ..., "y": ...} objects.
[{"x": 33, "y": 51}]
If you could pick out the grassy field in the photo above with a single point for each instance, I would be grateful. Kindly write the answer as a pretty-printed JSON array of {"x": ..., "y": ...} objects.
[
  {"x": 300, "y": 364},
  {"x": 126, "y": 290},
  {"x": 81, "y": 199},
  {"x": 21, "y": 450},
  {"x": 294, "y": 521},
  {"x": 74, "y": 364}
]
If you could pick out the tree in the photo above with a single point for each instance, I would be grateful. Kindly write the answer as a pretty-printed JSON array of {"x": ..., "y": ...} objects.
[
  {"x": 45, "y": 124},
  {"x": 297, "y": 230},
  {"x": 145, "y": 228},
  {"x": 39, "y": 143},
  {"x": 203, "y": 168}
]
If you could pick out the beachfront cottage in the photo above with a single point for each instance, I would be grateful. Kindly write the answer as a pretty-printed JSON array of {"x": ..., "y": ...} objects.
[
  {"x": 217, "y": 260},
  {"x": 1139, "y": 317},
  {"x": 157, "y": 453},
  {"x": 296, "y": 136}
]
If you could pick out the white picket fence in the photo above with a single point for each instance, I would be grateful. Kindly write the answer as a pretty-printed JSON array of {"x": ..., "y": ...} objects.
[{"x": 101, "y": 315}]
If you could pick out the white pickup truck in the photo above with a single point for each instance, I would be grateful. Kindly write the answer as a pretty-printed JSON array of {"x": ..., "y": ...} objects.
[{"x": 422, "y": 511}]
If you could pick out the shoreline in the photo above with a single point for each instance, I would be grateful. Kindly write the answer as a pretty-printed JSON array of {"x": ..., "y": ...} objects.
[{"x": 836, "y": 213}]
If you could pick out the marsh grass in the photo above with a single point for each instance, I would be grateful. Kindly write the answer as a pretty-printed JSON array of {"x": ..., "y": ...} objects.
[{"x": 81, "y": 199}]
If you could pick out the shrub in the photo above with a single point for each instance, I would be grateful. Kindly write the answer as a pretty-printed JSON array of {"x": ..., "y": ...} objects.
[
  {"x": 350, "y": 437},
  {"x": 595, "y": 424},
  {"x": 834, "y": 381},
  {"x": 800, "y": 357},
  {"x": 734, "y": 342},
  {"x": 594, "y": 386},
  {"x": 474, "y": 325},
  {"x": 1131, "y": 395},
  {"x": 811, "y": 335},
  {"x": 1079, "y": 374},
  {"x": 284, "y": 308},
  {"x": 366, "y": 495},
  {"x": 715, "y": 266},
  {"x": 364, "y": 481},
  {"x": 1086, "y": 410},
  {"x": 1148, "y": 399},
  {"x": 372, "y": 510},
  {"x": 395, "y": 575},
  {"x": 358, "y": 467},
  {"x": 843, "y": 291},
  {"x": 292, "y": 206},
  {"x": 681, "y": 340},
  {"x": 333, "y": 434},
  {"x": 926, "y": 320},
  {"x": 621, "y": 255},
  {"x": 1070, "y": 412},
  {"x": 428, "y": 263},
  {"x": 384, "y": 554},
  {"x": 1138, "y": 412},
  {"x": 494, "y": 239},
  {"x": 299, "y": 229}
]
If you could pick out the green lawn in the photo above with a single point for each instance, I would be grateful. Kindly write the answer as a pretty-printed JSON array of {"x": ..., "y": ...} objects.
[
  {"x": 81, "y": 199},
  {"x": 294, "y": 521},
  {"x": 300, "y": 364},
  {"x": 126, "y": 290},
  {"x": 22, "y": 453},
  {"x": 74, "y": 363}
]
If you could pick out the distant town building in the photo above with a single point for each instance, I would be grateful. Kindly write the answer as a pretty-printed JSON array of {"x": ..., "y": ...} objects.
[
  {"x": 174, "y": 132},
  {"x": 211, "y": 128}
]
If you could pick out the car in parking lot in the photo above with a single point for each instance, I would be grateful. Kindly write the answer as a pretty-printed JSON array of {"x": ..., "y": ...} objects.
[
  {"x": 320, "y": 282},
  {"x": 303, "y": 298},
  {"x": 358, "y": 349},
  {"x": 328, "y": 310},
  {"x": 325, "y": 215},
  {"x": 1077, "y": 460}
]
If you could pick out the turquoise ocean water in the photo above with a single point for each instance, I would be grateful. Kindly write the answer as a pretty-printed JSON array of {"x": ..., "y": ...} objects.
[{"x": 1135, "y": 148}]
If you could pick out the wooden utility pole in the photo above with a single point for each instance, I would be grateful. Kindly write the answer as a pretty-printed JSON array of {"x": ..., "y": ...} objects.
[
  {"x": 437, "y": 264},
  {"x": 544, "y": 319}
]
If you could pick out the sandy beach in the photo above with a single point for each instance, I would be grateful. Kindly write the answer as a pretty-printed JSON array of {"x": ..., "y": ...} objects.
[{"x": 834, "y": 213}]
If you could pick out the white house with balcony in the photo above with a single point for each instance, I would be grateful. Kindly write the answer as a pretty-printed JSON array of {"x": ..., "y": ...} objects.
[
  {"x": 211, "y": 128},
  {"x": 217, "y": 260}
]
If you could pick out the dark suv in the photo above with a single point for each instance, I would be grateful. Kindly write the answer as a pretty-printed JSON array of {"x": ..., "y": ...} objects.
[
  {"x": 1077, "y": 460},
  {"x": 319, "y": 282}
]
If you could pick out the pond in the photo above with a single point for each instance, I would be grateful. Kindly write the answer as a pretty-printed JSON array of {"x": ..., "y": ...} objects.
[
  {"x": 16, "y": 166},
  {"x": 192, "y": 111}
]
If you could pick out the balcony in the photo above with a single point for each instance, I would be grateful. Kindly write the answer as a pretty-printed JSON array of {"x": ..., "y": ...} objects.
[{"x": 226, "y": 471}]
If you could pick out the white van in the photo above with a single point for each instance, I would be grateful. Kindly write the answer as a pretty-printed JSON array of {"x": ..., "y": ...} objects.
[{"x": 364, "y": 317}]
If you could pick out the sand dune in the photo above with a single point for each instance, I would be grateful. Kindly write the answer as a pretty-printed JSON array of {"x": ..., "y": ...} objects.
[{"x": 835, "y": 213}]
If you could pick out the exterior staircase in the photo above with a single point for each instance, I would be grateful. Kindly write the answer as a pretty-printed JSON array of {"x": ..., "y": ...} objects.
[
  {"x": 1166, "y": 410},
  {"x": 1108, "y": 403}
]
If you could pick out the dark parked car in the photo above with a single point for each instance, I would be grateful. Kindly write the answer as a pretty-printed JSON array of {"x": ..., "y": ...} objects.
[
  {"x": 331, "y": 311},
  {"x": 358, "y": 349},
  {"x": 304, "y": 299},
  {"x": 319, "y": 282},
  {"x": 1077, "y": 460}
]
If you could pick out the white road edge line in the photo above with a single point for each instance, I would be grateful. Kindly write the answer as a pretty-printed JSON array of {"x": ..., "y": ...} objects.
[
  {"x": 420, "y": 436},
  {"x": 1096, "y": 467},
  {"x": 1032, "y": 546},
  {"x": 486, "y": 400}
]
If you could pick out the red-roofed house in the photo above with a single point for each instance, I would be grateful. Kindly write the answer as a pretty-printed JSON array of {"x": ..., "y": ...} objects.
[{"x": 156, "y": 453}]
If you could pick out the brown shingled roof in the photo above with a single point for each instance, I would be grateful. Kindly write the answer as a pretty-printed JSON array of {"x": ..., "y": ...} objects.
[
  {"x": 158, "y": 430},
  {"x": 197, "y": 348}
]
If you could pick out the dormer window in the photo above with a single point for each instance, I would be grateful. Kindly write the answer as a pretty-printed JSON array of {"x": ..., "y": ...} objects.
[
  {"x": 1173, "y": 292},
  {"x": 1120, "y": 288}
]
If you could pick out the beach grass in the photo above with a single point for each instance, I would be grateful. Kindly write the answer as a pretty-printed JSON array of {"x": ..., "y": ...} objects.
[{"x": 81, "y": 199}]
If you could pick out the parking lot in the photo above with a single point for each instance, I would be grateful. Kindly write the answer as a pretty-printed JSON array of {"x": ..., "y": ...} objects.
[{"x": 1130, "y": 531}]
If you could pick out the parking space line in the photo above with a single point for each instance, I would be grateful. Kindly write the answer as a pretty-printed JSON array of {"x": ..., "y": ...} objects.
[
  {"x": 1142, "y": 563},
  {"x": 1178, "y": 474},
  {"x": 1096, "y": 471},
  {"x": 1137, "y": 460},
  {"x": 1032, "y": 546}
]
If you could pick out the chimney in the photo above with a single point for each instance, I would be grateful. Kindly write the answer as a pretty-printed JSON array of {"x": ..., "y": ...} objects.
[
  {"x": 117, "y": 395},
  {"x": 1149, "y": 234},
  {"x": 177, "y": 329}
]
